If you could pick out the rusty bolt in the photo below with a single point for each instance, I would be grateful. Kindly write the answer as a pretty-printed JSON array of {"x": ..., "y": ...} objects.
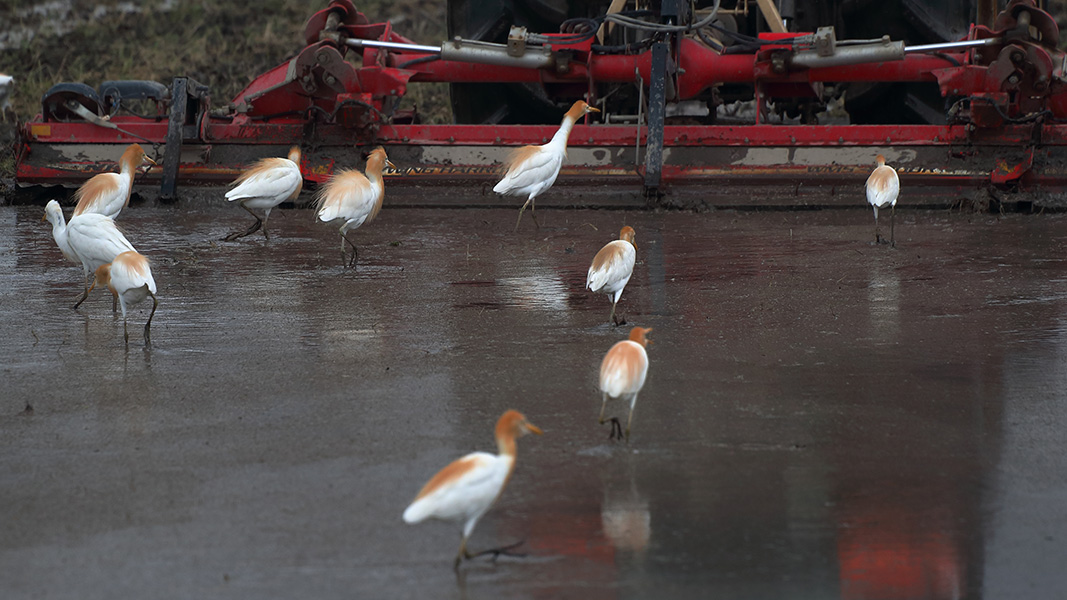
[{"x": 1014, "y": 79}]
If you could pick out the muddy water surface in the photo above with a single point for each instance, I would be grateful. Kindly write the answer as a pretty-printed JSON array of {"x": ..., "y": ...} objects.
[{"x": 823, "y": 417}]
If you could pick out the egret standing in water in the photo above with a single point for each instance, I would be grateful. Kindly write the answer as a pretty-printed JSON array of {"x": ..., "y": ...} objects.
[
  {"x": 622, "y": 375},
  {"x": 265, "y": 185},
  {"x": 129, "y": 278},
  {"x": 353, "y": 198},
  {"x": 883, "y": 187},
  {"x": 466, "y": 488},
  {"x": 531, "y": 170},
  {"x": 108, "y": 193},
  {"x": 612, "y": 268},
  {"x": 95, "y": 240}
]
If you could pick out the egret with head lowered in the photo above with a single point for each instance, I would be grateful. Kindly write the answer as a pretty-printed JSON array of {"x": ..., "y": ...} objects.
[
  {"x": 129, "y": 277},
  {"x": 96, "y": 241},
  {"x": 265, "y": 185}
]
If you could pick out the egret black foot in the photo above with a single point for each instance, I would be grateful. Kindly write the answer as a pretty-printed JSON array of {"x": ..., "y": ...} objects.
[
  {"x": 238, "y": 234},
  {"x": 616, "y": 429},
  {"x": 503, "y": 551}
]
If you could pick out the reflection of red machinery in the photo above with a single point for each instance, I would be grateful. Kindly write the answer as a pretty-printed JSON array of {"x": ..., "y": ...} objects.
[
  {"x": 1004, "y": 88},
  {"x": 886, "y": 555}
]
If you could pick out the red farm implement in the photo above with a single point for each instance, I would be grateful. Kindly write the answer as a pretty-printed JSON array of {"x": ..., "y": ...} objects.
[{"x": 694, "y": 110}]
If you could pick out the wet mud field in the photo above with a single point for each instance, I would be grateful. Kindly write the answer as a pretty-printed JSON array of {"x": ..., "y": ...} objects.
[{"x": 823, "y": 417}]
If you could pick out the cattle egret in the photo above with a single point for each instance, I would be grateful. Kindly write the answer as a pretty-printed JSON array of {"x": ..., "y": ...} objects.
[
  {"x": 883, "y": 186},
  {"x": 354, "y": 198},
  {"x": 108, "y": 193},
  {"x": 531, "y": 170},
  {"x": 465, "y": 489},
  {"x": 53, "y": 213},
  {"x": 267, "y": 184},
  {"x": 622, "y": 375},
  {"x": 612, "y": 268},
  {"x": 95, "y": 240},
  {"x": 130, "y": 279}
]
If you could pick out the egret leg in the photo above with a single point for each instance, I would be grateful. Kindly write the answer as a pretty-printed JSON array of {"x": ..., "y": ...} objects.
[
  {"x": 892, "y": 226},
  {"x": 85, "y": 294},
  {"x": 148, "y": 325},
  {"x": 602, "y": 406},
  {"x": 614, "y": 318},
  {"x": 462, "y": 554},
  {"x": 533, "y": 213},
  {"x": 266, "y": 216},
  {"x": 503, "y": 550},
  {"x": 527, "y": 203},
  {"x": 877, "y": 231},
  {"x": 114, "y": 302},
  {"x": 255, "y": 227},
  {"x": 355, "y": 252},
  {"x": 125, "y": 331},
  {"x": 630, "y": 420}
]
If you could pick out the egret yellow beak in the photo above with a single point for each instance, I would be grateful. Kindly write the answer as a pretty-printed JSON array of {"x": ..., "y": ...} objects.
[
  {"x": 533, "y": 428},
  {"x": 592, "y": 109},
  {"x": 391, "y": 165}
]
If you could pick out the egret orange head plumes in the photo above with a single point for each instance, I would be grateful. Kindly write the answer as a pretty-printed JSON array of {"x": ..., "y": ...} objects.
[
  {"x": 640, "y": 335},
  {"x": 466, "y": 488},
  {"x": 579, "y": 109}
]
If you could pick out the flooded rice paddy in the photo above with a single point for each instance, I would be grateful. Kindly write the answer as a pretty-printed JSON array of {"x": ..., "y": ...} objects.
[{"x": 823, "y": 417}]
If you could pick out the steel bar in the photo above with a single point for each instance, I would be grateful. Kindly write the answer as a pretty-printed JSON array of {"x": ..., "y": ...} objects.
[{"x": 952, "y": 45}]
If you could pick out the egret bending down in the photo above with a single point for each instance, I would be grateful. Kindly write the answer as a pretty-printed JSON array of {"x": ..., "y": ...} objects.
[
  {"x": 129, "y": 278},
  {"x": 95, "y": 240},
  {"x": 267, "y": 184}
]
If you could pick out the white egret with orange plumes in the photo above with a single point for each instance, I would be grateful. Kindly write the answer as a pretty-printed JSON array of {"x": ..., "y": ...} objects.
[
  {"x": 353, "y": 198},
  {"x": 622, "y": 375},
  {"x": 883, "y": 187},
  {"x": 96, "y": 241},
  {"x": 466, "y": 488},
  {"x": 612, "y": 268},
  {"x": 531, "y": 170},
  {"x": 265, "y": 185},
  {"x": 129, "y": 277},
  {"x": 108, "y": 193}
]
